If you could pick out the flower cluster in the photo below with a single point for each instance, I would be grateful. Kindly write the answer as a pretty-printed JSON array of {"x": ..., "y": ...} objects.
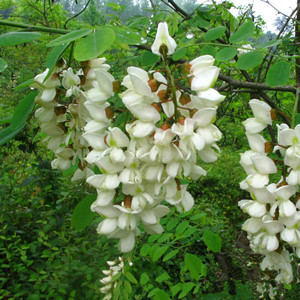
[
  {"x": 169, "y": 128},
  {"x": 274, "y": 226},
  {"x": 66, "y": 108}
]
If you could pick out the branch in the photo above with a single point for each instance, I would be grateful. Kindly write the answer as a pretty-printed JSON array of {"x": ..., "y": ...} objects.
[
  {"x": 34, "y": 28},
  {"x": 76, "y": 15}
]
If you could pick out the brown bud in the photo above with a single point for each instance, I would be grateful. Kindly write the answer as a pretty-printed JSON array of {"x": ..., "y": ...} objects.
[
  {"x": 154, "y": 85},
  {"x": 181, "y": 120},
  {"x": 156, "y": 106},
  {"x": 273, "y": 114},
  {"x": 116, "y": 86},
  {"x": 127, "y": 201},
  {"x": 60, "y": 63},
  {"x": 82, "y": 79},
  {"x": 193, "y": 111},
  {"x": 165, "y": 126},
  {"x": 178, "y": 184},
  {"x": 268, "y": 147},
  {"x": 186, "y": 68},
  {"x": 55, "y": 76},
  {"x": 185, "y": 99},
  {"x": 109, "y": 111},
  {"x": 60, "y": 110},
  {"x": 163, "y": 50},
  {"x": 176, "y": 143},
  {"x": 163, "y": 95},
  {"x": 63, "y": 126}
]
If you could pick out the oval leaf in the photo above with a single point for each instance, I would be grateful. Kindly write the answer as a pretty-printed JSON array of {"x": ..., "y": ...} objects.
[
  {"x": 170, "y": 255},
  {"x": 278, "y": 74},
  {"x": 3, "y": 64},
  {"x": 249, "y": 60},
  {"x": 209, "y": 50},
  {"x": 212, "y": 240},
  {"x": 243, "y": 33},
  {"x": 226, "y": 54},
  {"x": 95, "y": 44},
  {"x": 17, "y": 38},
  {"x": 127, "y": 36},
  {"x": 214, "y": 33},
  {"x": 82, "y": 215},
  {"x": 194, "y": 264},
  {"x": 179, "y": 53},
  {"x": 69, "y": 37}
]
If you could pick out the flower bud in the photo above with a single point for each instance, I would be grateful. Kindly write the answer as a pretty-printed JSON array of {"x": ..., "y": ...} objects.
[
  {"x": 273, "y": 114},
  {"x": 116, "y": 86},
  {"x": 181, "y": 120},
  {"x": 163, "y": 49},
  {"x": 63, "y": 126},
  {"x": 60, "y": 110},
  {"x": 109, "y": 111},
  {"x": 156, "y": 106},
  {"x": 163, "y": 95},
  {"x": 268, "y": 147},
  {"x": 154, "y": 85},
  {"x": 165, "y": 126},
  {"x": 185, "y": 99},
  {"x": 186, "y": 68},
  {"x": 193, "y": 111},
  {"x": 127, "y": 201}
]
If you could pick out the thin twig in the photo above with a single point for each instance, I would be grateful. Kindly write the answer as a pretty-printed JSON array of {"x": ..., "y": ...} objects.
[{"x": 76, "y": 15}]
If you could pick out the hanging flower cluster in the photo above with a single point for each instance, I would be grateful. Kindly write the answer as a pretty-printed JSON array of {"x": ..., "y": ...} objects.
[
  {"x": 65, "y": 109},
  {"x": 274, "y": 226}
]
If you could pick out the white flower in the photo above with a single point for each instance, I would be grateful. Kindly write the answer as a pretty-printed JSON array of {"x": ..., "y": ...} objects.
[{"x": 163, "y": 38}]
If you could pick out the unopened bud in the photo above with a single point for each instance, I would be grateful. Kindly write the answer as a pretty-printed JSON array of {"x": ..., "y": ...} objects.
[
  {"x": 273, "y": 114},
  {"x": 127, "y": 201},
  {"x": 163, "y": 95},
  {"x": 178, "y": 184},
  {"x": 185, "y": 99},
  {"x": 163, "y": 49},
  {"x": 165, "y": 126},
  {"x": 268, "y": 147},
  {"x": 109, "y": 111},
  {"x": 116, "y": 86},
  {"x": 156, "y": 106},
  {"x": 181, "y": 120},
  {"x": 63, "y": 126},
  {"x": 193, "y": 111},
  {"x": 190, "y": 80},
  {"x": 154, "y": 85},
  {"x": 186, "y": 68},
  {"x": 60, "y": 110}
]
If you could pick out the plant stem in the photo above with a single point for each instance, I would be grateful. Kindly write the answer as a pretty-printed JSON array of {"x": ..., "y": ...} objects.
[{"x": 34, "y": 28}]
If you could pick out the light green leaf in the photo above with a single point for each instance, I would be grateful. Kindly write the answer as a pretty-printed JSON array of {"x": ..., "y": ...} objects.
[
  {"x": 93, "y": 45},
  {"x": 214, "y": 33},
  {"x": 17, "y": 38},
  {"x": 144, "y": 279},
  {"x": 176, "y": 288},
  {"x": 179, "y": 53},
  {"x": 69, "y": 37},
  {"x": 82, "y": 215},
  {"x": 226, "y": 54},
  {"x": 161, "y": 295},
  {"x": 171, "y": 224},
  {"x": 209, "y": 50},
  {"x": 145, "y": 249},
  {"x": 149, "y": 59},
  {"x": 127, "y": 36},
  {"x": 130, "y": 277},
  {"x": 212, "y": 240},
  {"x": 249, "y": 60},
  {"x": 159, "y": 252},
  {"x": 163, "y": 277},
  {"x": 243, "y": 33},
  {"x": 278, "y": 74},
  {"x": 186, "y": 289},
  {"x": 297, "y": 119},
  {"x": 24, "y": 84},
  {"x": 194, "y": 264},
  {"x": 5, "y": 120},
  {"x": 269, "y": 44},
  {"x": 3, "y": 64},
  {"x": 164, "y": 237},
  {"x": 182, "y": 227},
  {"x": 170, "y": 255}
]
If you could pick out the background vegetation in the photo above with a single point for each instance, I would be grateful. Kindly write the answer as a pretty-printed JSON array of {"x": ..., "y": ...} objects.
[{"x": 203, "y": 254}]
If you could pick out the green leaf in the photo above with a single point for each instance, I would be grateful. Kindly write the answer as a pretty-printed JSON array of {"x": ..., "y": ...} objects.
[
  {"x": 5, "y": 120},
  {"x": 297, "y": 119},
  {"x": 243, "y": 33},
  {"x": 179, "y": 53},
  {"x": 161, "y": 295},
  {"x": 95, "y": 44},
  {"x": 159, "y": 252},
  {"x": 269, "y": 44},
  {"x": 3, "y": 64},
  {"x": 186, "y": 289},
  {"x": 163, "y": 277},
  {"x": 164, "y": 237},
  {"x": 249, "y": 60},
  {"x": 209, "y": 50},
  {"x": 127, "y": 286},
  {"x": 127, "y": 36},
  {"x": 278, "y": 74},
  {"x": 16, "y": 38},
  {"x": 182, "y": 227},
  {"x": 170, "y": 255},
  {"x": 194, "y": 264},
  {"x": 171, "y": 224},
  {"x": 212, "y": 240},
  {"x": 69, "y": 37},
  {"x": 130, "y": 277},
  {"x": 82, "y": 215},
  {"x": 24, "y": 84},
  {"x": 176, "y": 288},
  {"x": 226, "y": 54},
  {"x": 145, "y": 249},
  {"x": 214, "y": 33},
  {"x": 144, "y": 279},
  {"x": 18, "y": 120},
  {"x": 149, "y": 59}
]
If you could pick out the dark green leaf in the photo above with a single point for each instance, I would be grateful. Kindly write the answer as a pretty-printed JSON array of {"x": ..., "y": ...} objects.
[
  {"x": 3, "y": 64},
  {"x": 175, "y": 289},
  {"x": 5, "y": 120},
  {"x": 194, "y": 264},
  {"x": 127, "y": 36},
  {"x": 212, "y": 240},
  {"x": 163, "y": 277},
  {"x": 179, "y": 53},
  {"x": 186, "y": 289},
  {"x": 82, "y": 215},
  {"x": 161, "y": 295},
  {"x": 95, "y": 44},
  {"x": 130, "y": 277},
  {"x": 209, "y": 50},
  {"x": 297, "y": 119},
  {"x": 24, "y": 84},
  {"x": 16, "y": 38},
  {"x": 145, "y": 249},
  {"x": 69, "y": 37},
  {"x": 170, "y": 255},
  {"x": 226, "y": 54},
  {"x": 159, "y": 252},
  {"x": 149, "y": 59},
  {"x": 249, "y": 60},
  {"x": 243, "y": 33},
  {"x": 278, "y": 74},
  {"x": 214, "y": 33},
  {"x": 144, "y": 279},
  {"x": 9, "y": 133}
]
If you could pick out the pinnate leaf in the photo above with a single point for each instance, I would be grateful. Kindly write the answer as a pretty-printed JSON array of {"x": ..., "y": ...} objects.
[
  {"x": 214, "y": 33},
  {"x": 243, "y": 33},
  {"x": 212, "y": 240},
  {"x": 278, "y": 74}
]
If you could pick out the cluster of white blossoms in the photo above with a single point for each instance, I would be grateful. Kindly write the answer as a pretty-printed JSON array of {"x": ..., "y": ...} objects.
[
  {"x": 274, "y": 226},
  {"x": 168, "y": 129},
  {"x": 66, "y": 108}
]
